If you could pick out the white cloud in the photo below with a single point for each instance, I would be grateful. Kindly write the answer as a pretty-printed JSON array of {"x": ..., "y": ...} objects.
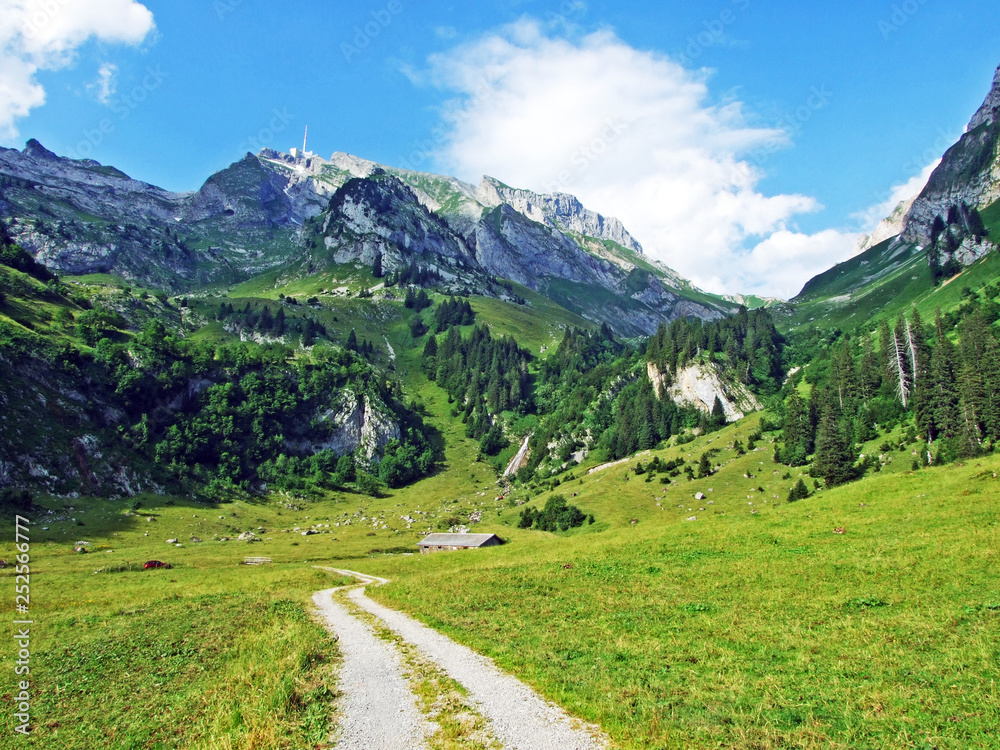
[
  {"x": 635, "y": 135},
  {"x": 44, "y": 35},
  {"x": 792, "y": 258},
  {"x": 870, "y": 217},
  {"x": 106, "y": 84}
]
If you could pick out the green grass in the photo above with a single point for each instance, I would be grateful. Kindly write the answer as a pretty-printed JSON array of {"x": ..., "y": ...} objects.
[
  {"x": 755, "y": 626},
  {"x": 991, "y": 218},
  {"x": 207, "y": 655},
  {"x": 540, "y": 323},
  {"x": 744, "y": 629},
  {"x": 908, "y": 286}
]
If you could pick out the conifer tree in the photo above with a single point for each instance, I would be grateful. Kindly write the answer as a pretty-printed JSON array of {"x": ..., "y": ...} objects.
[
  {"x": 869, "y": 374},
  {"x": 718, "y": 413},
  {"x": 430, "y": 357},
  {"x": 797, "y": 431},
  {"x": 944, "y": 396},
  {"x": 834, "y": 452}
]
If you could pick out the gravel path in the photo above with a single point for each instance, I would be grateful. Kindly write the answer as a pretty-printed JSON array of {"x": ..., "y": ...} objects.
[
  {"x": 378, "y": 710},
  {"x": 518, "y": 716}
]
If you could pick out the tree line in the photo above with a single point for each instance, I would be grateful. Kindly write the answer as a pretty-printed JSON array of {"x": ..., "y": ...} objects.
[
  {"x": 945, "y": 378},
  {"x": 484, "y": 376},
  {"x": 747, "y": 341}
]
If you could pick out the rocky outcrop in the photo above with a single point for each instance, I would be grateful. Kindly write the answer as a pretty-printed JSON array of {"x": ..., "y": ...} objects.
[
  {"x": 243, "y": 196},
  {"x": 990, "y": 111},
  {"x": 79, "y": 216},
  {"x": 355, "y": 423},
  {"x": 558, "y": 210},
  {"x": 698, "y": 385},
  {"x": 889, "y": 227},
  {"x": 969, "y": 172},
  {"x": 381, "y": 215}
]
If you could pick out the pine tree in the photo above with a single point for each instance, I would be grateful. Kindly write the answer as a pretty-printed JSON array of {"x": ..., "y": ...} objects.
[
  {"x": 869, "y": 375},
  {"x": 979, "y": 368},
  {"x": 798, "y": 492},
  {"x": 975, "y": 221},
  {"x": 704, "y": 466},
  {"x": 352, "y": 341},
  {"x": 943, "y": 404},
  {"x": 417, "y": 327},
  {"x": 266, "y": 320},
  {"x": 834, "y": 453},
  {"x": 843, "y": 376},
  {"x": 718, "y": 413},
  {"x": 797, "y": 432}
]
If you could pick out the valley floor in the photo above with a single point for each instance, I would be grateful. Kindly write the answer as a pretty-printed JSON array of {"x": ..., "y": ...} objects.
[{"x": 863, "y": 616}]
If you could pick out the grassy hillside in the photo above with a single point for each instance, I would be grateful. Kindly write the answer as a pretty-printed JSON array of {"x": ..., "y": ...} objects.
[
  {"x": 863, "y": 616},
  {"x": 878, "y": 282},
  {"x": 755, "y": 625},
  {"x": 991, "y": 218},
  {"x": 846, "y": 297}
]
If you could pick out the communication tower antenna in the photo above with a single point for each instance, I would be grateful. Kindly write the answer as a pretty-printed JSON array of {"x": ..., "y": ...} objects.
[{"x": 304, "y": 139}]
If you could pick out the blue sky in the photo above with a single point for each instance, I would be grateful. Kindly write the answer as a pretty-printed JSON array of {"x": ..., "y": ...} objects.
[{"x": 744, "y": 142}]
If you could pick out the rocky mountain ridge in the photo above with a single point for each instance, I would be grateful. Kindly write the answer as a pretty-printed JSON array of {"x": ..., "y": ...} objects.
[
  {"x": 78, "y": 217},
  {"x": 969, "y": 173},
  {"x": 381, "y": 217}
]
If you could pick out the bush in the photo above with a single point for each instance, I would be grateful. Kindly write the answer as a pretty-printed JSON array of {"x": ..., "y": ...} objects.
[
  {"x": 557, "y": 515},
  {"x": 19, "y": 501},
  {"x": 368, "y": 485},
  {"x": 798, "y": 492}
]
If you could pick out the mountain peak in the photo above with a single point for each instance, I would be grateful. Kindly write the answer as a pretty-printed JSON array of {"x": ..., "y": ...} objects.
[
  {"x": 37, "y": 150},
  {"x": 990, "y": 110},
  {"x": 558, "y": 210},
  {"x": 969, "y": 172}
]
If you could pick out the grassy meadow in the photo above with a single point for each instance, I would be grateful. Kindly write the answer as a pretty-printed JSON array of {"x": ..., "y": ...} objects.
[
  {"x": 754, "y": 626},
  {"x": 866, "y": 616}
]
